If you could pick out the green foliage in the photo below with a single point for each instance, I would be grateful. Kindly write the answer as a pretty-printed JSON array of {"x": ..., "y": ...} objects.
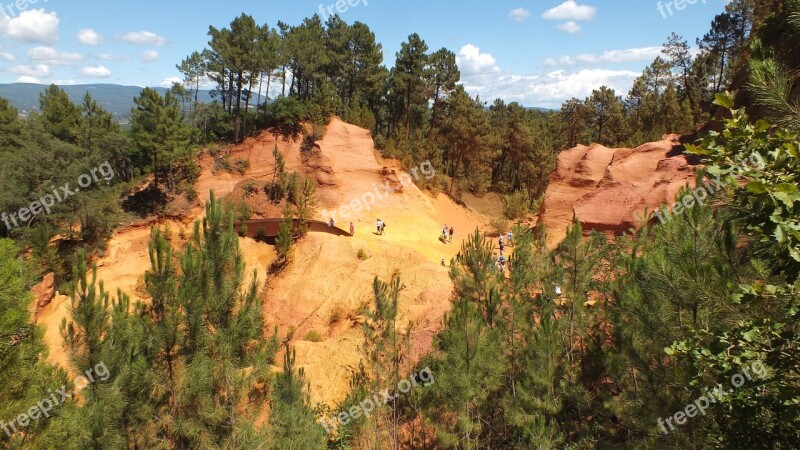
[
  {"x": 292, "y": 420},
  {"x": 161, "y": 138},
  {"x": 283, "y": 242},
  {"x": 24, "y": 376},
  {"x": 313, "y": 336},
  {"x": 760, "y": 166},
  {"x": 286, "y": 116},
  {"x": 516, "y": 205}
]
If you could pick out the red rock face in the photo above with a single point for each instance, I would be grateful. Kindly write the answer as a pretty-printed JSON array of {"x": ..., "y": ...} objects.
[
  {"x": 609, "y": 190},
  {"x": 43, "y": 292}
]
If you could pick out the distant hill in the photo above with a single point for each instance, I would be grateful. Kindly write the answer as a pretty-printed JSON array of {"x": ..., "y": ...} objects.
[{"x": 115, "y": 98}]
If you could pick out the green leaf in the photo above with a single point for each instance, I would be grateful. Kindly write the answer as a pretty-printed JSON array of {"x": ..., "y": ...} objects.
[
  {"x": 763, "y": 125},
  {"x": 756, "y": 187},
  {"x": 723, "y": 100},
  {"x": 787, "y": 193}
]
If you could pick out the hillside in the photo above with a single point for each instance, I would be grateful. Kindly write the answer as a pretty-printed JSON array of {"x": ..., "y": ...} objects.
[
  {"x": 327, "y": 285},
  {"x": 116, "y": 99}
]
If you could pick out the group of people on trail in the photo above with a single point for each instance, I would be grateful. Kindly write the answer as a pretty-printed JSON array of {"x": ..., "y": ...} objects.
[
  {"x": 381, "y": 226},
  {"x": 447, "y": 234},
  {"x": 501, "y": 261},
  {"x": 352, "y": 227}
]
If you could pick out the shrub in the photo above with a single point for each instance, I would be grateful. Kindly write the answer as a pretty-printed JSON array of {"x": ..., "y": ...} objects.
[
  {"x": 261, "y": 234},
  {"x": 286, "y": 115},
  {"x": 338, "y": 313},
  {"x": 191, "y": 193},
  {"x": 241, "y": 166},
  {"x": 313, "y": 336},
  {"x": 516, "y": 205},
  {"x": 499, "y": 225},
  {"x": 250, "y": 188},
  {"x": 362, "y": 255}
]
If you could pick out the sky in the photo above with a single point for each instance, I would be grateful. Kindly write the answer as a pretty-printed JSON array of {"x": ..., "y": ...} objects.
[{"x": 535, "y": 52}]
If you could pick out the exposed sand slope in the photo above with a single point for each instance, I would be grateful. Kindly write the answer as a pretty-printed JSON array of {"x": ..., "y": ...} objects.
[
  {"x": 326, "y": 279},
  {"x": 610, "y": 189}
]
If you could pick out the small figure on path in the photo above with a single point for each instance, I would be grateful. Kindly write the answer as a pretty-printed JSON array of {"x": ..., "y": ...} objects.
[
  {"x": 451, "y": 234},
  {"x": 444, "y": 233},
  {"x": 443, "y": 264},
  {"x": 352, "y": 229},
  {"x": 378, "y": 225},
  {"x": 330, "y": 223},
  {"x": 510, "y": 235}
]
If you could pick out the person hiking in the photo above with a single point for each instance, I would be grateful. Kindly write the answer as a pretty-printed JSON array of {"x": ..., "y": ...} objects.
[
  {"x": 509, "y": 236},
  {"x": 383, "y": 227},
  {"x": 330, "y": 223},
  {"x": 502, "y": 246},
  {"x": 451, "y": 234},
  {"x": 444, "y": 233},
  {"x": 378, "y": 226},
  {"x": 352, "y": 229}
]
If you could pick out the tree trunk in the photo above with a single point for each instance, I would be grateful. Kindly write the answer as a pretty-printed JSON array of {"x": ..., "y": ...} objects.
[{"x": 237, "y": 121}]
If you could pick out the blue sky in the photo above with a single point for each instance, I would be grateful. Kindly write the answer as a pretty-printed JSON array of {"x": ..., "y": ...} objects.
[{"x": 537, "y": 52}]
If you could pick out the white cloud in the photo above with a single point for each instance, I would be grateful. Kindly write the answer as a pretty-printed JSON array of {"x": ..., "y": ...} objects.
[
  {"x": 8, "y": 56},
  {"x": 143, "y": 38},
  {"x": 96, "y": 72},
  {"x": 88, "y": 36},
  {"x": 570, "y": 10},
  {"x": 519, "y": 15},
  {"x": 570, "y": 27},
  {"x": 28, "y": 79},
  {"x": 49, "y": 55},
  {"x": 64, "y": 82},
  {"x": 39, "y": 70},
  {"x": 471, "y": 61},
  {"x": 34, "y": 26},
  {"x": 167, "y": 83},
  {"x": 109, "y": 57},
  {"x": 149, "y": 56},
  {"x": 608, "y": 57},
  {"x": 548, "y": 90}
]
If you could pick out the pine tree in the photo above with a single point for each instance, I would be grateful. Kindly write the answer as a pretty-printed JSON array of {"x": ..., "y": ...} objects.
[
  {"x": 283, "y": 242},
  {"x": 386, "y": 347},
  {"x": 293, "y": 421}
]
